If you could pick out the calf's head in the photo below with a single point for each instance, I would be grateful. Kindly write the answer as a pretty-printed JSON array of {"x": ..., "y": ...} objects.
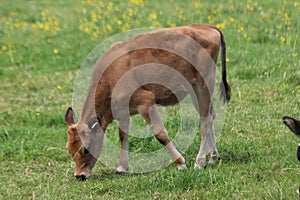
[{"x": 84, "y": 143}]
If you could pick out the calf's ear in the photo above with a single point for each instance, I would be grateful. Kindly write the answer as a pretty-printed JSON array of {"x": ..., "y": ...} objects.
[{"x": 70, "y": 116}]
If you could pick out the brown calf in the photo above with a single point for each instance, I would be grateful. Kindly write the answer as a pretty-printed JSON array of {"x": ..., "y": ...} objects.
[{"x": 158, "y": 67}]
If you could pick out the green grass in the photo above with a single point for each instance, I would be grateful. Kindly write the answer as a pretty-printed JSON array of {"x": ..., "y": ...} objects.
[{"x": 42, "y": 45}]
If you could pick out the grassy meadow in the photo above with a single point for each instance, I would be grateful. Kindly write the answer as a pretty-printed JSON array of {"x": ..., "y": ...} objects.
[{"x": 42, "y": 46}]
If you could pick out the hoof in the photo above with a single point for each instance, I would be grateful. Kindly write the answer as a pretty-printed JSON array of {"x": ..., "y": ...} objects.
[
  {"x": 213, "y": 160},
  {"x": 121, "y": 170},
  {"x": 181, "y": 167},
  {"x": 199, "y": 167},
  {"x": 200, "y": 163}
]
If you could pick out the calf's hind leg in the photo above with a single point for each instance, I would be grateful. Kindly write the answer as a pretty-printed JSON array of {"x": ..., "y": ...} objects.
[
  {"x": 204, "y": 106},
  {"x": 146, "y": 107}
]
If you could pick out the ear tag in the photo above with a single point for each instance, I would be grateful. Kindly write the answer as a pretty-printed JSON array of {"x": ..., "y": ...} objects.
[{"x": 93, "y": 126}]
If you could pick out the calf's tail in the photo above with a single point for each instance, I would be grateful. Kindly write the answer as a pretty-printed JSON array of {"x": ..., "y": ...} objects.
[{"x": 225, "y": 89}]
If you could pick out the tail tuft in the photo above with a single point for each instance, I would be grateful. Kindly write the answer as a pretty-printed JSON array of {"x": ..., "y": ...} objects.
[{"x": 225, "y": 92}]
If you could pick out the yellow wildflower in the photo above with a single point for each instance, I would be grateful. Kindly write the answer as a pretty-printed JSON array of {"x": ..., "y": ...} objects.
[
  {"x": 119, "y": 22},
  {"x": 55, "y": 51},
  {"x": 250, "y": 8},
  {"x": 241, "y": 29},
  {"x": 221, "y": 25}
]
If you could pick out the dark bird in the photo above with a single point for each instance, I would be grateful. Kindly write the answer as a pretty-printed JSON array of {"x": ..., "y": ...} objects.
[{"x": 293, "y": 124}]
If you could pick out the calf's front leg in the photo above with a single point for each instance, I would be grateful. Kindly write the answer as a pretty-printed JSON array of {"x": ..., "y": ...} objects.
[
  {"x": 158, "y": 129},
  {"x": 123, "y": 161}
]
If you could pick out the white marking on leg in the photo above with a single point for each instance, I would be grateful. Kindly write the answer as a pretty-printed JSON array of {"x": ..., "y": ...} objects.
[
  {"x": 176, "y": 156},
  {"x": 206, "y": 124},
  {"x": 212, "y": 148},
  {"x": 123, "y": 160},
  {"x": 200, "y": 162}
]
